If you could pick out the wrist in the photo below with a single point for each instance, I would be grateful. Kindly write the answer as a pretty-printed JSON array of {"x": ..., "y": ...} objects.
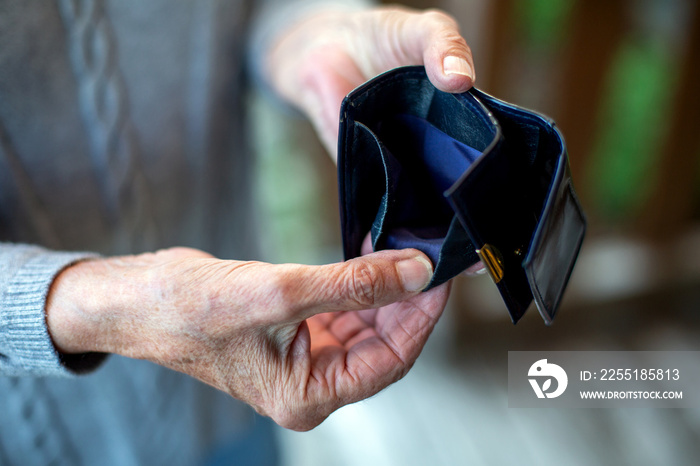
[{"x": 79, "y": 307}]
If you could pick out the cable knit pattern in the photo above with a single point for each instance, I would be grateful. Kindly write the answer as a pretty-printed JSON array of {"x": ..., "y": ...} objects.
[
  {"x": 34, "y": 410},
  {"x": 104, "y": 104}
]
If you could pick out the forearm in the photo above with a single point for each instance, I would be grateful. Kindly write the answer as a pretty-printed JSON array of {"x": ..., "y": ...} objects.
[{"x": 124, "y": 305}]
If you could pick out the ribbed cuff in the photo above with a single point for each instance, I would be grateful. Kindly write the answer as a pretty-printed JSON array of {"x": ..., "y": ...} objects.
[{"x": 27, "y": 349}]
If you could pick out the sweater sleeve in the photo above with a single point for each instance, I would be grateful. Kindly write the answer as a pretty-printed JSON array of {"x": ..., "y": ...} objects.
[{"x": 26, "y": 349}]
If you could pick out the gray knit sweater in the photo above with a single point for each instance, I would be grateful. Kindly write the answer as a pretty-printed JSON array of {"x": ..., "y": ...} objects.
[{"x": 122, "y": 129}]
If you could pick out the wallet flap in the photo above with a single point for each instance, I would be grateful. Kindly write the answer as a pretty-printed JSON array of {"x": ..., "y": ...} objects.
[
  {"x": 490, "y": 202},
  {"x": 546, "y": 195}
]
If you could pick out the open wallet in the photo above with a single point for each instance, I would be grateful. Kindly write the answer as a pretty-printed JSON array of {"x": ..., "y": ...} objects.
[{"x": 462, "y": 178}]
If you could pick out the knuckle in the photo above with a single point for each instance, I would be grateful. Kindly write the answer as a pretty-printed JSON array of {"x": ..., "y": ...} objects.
[
  {"x": 460, "y": 43},
  {"x": 366, "y": 284},
  {"x": 445, "y": 28},
  {"x": 439, "y": 17}
]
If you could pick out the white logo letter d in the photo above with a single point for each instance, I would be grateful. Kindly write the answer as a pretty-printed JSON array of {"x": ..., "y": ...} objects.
[{"x": 543, "y": 369}]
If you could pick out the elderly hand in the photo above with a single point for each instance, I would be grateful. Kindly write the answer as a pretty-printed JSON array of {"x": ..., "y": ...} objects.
[
  {"x": 296, "y": 342},
  {"x": 317, "y": 62}
]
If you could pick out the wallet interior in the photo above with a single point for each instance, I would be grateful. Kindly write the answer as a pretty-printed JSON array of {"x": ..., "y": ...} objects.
[
  {"x": 452, "y": 174},
  {"x": 408, "y": 151}
]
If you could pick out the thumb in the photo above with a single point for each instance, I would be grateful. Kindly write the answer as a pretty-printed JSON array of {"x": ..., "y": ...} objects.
[
  {"x": 370, "y": 281},
  {"x": 446, "y": 55},
  {"x": 431, "y": 38}
]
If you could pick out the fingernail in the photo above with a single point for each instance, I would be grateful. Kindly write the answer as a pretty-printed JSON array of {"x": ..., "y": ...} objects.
[
  {"x": 415, "y": 273},
  {"x": 457, "y": 65}
]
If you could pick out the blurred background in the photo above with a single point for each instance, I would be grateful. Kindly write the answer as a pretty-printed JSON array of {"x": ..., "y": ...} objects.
[{"x": 621, "y": 78}]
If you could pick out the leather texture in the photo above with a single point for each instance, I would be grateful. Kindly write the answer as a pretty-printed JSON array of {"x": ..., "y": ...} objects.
[{"x": 451, "y": 174}]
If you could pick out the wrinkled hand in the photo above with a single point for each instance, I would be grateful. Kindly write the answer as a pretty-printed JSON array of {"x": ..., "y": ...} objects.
[
  {"x": 296, "y": 342},
  {"x": 318, "y": 61}
]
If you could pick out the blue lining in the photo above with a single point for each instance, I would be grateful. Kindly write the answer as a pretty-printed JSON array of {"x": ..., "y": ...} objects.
[{"x": 421, "y": 163}]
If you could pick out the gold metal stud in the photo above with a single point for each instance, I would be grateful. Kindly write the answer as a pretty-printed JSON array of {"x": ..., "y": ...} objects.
[{"x": 493, "y": 260}]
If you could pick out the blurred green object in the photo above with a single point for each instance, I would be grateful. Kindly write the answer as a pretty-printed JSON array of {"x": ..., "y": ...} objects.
[
  {"x": 634, "y": 112},
  {"x": 632, "y": 126},
  {"x": 544, "y": 21}
]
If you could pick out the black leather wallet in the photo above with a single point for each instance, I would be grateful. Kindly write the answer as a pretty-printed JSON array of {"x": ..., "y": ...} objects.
[{"x": 461, "y": 177}]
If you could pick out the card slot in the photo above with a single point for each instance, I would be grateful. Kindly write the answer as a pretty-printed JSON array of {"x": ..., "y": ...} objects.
[{"x": 362, "y": 188}]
